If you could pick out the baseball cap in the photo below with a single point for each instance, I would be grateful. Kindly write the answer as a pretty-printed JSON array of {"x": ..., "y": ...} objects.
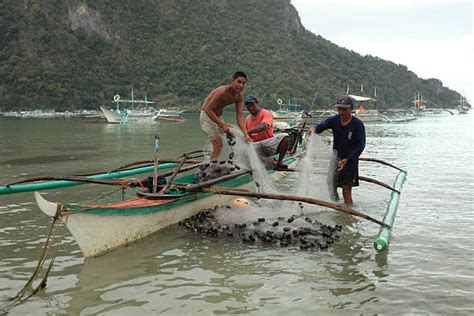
[
  {"x": 344, "y": 102},
  {"x": 250, "y": 99}
]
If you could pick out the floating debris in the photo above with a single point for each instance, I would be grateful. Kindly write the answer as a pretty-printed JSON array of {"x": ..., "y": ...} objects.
[{"x": 296, "y": 231}]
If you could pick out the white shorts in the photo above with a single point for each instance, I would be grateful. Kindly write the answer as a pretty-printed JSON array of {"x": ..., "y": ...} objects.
[
  {"x": 269, "y": 146},
  {"x": 209, "y": 127}
]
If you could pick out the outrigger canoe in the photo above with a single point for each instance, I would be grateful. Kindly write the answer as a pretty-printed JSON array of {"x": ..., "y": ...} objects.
[{"x": 99, "y": 228}]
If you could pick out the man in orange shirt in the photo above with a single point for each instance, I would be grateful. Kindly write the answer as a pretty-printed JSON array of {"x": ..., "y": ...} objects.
[{"x": 259, "y": 125}]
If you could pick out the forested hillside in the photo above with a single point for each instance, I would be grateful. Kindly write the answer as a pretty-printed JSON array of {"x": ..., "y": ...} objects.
[{"x": 73, "y": 54}]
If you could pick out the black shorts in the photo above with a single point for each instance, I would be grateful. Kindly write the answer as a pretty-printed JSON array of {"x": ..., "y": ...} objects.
[{"x": 349, "y": 178}]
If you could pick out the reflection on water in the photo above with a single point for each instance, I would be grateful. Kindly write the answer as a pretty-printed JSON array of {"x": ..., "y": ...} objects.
[{"x": 428, "y": 268}]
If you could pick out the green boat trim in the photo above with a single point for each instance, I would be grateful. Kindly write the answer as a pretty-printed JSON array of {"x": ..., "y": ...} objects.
[
  {"x": 17, "y": 188},
  {"x": 180, "y": 199},
  {"x": 140, "y": 210},
  {"x": 381, "y": 242}
]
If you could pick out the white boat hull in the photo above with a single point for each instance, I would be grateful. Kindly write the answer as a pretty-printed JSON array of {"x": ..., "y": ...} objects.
[
  {"x": 111, "y": 117},
  {"x": 98, "y": 234}
]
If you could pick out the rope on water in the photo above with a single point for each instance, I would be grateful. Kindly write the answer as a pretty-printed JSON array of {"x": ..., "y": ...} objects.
[{"x": 28, "y": 290}]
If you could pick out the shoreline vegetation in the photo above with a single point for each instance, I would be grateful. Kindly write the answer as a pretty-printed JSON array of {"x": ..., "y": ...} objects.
[{"x": 69, "y": 56}]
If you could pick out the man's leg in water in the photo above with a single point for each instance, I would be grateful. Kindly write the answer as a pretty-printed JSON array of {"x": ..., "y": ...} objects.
[
  {"x": 216, "y": 148},
  {"x": 347, "y": 194}
]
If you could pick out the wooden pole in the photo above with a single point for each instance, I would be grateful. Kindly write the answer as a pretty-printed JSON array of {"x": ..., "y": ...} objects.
[
  {"x": 72, "y": 178},
  {"x": 200, "y": 186},
  {"x": 298, "y": 137},
  {"x": 381, "y": 162},
  {"x": 149, "y": 162},
  {"x": 171, "y": 179},
  {"x": 188, "y": 154},
  {"x": 304, "y": 199},
  {"x": 155, "y": 164},
  {"x": 367, "y": 179}
]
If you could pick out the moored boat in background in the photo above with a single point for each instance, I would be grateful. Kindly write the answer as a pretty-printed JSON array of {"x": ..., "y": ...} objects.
[
  {"x": 365, "y": 112},
  {"x": 169, "y": 116},
  {"x": 463, "y": 107},
  {"x": 135, "y": 114},
  {"x": 287, "y": 111}
]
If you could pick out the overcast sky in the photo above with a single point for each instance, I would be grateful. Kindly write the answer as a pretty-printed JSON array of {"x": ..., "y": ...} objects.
[{"x": 433, "y": 38}]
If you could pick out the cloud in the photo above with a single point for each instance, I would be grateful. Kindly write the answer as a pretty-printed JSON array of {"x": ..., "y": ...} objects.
[
  {"x": 376, "y": 4},
  {"x": 448, "y": 60},
  {"x": 433, "y": 38}
]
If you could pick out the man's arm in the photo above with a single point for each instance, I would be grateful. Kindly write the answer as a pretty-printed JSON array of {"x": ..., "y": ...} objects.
[
  {"x": 321, "y": 127},
  {"x": 210, "y": 107},
  {"x": 360, "y": 134},
  {"x": 262, "y": 127},
  {"x": 265, "y": 124}
]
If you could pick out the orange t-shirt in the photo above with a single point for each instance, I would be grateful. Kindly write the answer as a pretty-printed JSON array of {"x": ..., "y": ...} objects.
[{"x": 263, "y": 116}]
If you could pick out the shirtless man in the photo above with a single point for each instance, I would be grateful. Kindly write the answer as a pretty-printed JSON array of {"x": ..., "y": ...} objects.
[{"x": 213, "y": 107}]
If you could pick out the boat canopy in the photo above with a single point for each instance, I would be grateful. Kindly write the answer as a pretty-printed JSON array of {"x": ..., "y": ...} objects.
[{"x": 359, "y": 98}]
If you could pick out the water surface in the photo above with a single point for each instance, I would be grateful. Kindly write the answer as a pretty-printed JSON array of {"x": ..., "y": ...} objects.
[{"x": 429, "y": 268}]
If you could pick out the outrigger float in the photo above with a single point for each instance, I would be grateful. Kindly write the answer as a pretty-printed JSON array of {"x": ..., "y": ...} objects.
[{"x": 100, "y": 228}]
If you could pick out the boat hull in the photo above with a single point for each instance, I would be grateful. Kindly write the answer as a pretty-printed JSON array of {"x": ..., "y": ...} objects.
[
  {"x": 99, "y": 229},
  {"x": 111, "y": 117},
  {"x": 97, "y": 234}
]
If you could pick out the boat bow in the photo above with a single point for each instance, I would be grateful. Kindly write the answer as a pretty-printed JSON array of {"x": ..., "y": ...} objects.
[{"x": 47, "y": 207}]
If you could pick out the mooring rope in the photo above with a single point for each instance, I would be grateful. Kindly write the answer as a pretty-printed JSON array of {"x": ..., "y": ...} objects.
[
  {"x": 122, "y": 187},
  {"x": 27, "y": 291}
]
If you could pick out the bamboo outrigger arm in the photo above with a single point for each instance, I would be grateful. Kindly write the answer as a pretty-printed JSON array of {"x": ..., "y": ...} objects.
[
  {"x": 198, "y": 153},
  {"x": 71, "y": 178},
  {"x": 224, "y": 191},
  {"x": 381, "y": 162},
  {"x": 371, "y": 180},
  {"x": 200, "y": 186},
  {"x": 26, "y": 187},
  {"x": 150, "y": 162}
]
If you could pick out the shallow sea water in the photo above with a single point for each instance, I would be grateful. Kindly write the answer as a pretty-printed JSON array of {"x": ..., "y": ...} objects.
[{"x": 429, "y": 268}]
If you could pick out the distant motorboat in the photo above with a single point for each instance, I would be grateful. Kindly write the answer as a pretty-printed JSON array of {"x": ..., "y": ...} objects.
[
  {"x": 113, "y": 117},
  {"x": 398, "y": 116},
  {"x": 12, "y": 114},
  {"x": 463, "y": 107},
  {"x": 38, "y": 114},
  {"x": 169, "y": 116},
  {"x": 93, "y": 118},
  {"x": 363, "y": 112},
  {"x": 368, "y": 116},
  {"x": 287, "y": 111},
  {"x": 141, "y": 115},
  {"x": 286, "y": 115},
  {"x": 121, "y": 115},
  {"x": 30, "y": 114}
]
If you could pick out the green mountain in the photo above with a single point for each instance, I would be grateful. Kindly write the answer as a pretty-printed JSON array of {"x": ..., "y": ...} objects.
[{"x": 73, "y": 54}]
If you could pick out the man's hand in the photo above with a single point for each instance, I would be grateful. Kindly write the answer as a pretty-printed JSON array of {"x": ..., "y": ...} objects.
[
  {"x": 341, "y": 164},
  {"x": 247, "y": 138},
  {"x": 226, "y": 128},
  {"x": 312, "y": 130}
]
